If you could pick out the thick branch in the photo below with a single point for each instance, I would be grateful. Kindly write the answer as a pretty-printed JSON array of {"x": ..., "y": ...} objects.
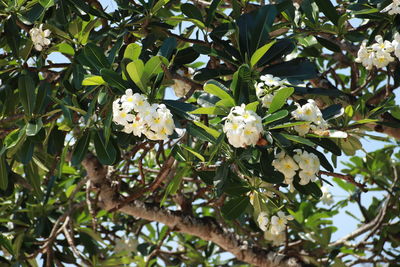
[{"x": 205, "y": 228}]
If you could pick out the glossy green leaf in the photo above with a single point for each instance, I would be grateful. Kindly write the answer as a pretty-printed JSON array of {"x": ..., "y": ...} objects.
[
  {"x": 114, "y": 79},
  {"x": 93, "y": 80},
  {"x": 27, "y": 95},
  {"x": 33, "y": 127},
  {"x": 3, "y": 173},
  {"x": 191, "y": 11},
  {"x": 235, "y": 207},
  {"x": 132, "y": 51},
  {"x": 211, "y": 11},
  {"x": 210, "y": 111},
  {"x": 95, "y": 55},
  {"x": 105, "y": 152},
  {"x": 329, "y": 10},
  {"x": 33, "y": 178},
  {"x": 191, "y": 150},
  {"x": 298, "y": 139},
  {"x": 275, "y": 116},
  {"x": 217, "y": 89},
  {"x": 280, "y": 98},
  {"x": 259, "y": 53},
  {"x": 154, "y": 66},
  {"x": 80, "y": 149},
  {"x": 135, "y": 70}
]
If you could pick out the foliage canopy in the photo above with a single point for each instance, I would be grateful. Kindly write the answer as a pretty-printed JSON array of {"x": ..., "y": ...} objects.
[{"x": 269, "y": 96}]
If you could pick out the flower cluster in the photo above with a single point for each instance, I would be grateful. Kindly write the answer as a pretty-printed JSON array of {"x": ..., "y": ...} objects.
[
  {"x": 138, "y": 117},
  {"x": 312, "y": 115},
  {"x": 39, "y": 37},
  {"x": 393, "y": 8},
  {"x": 180, "y": 87},
  {"x": 307, "y": 164},
  {"x": 264, "y": 89},
  {"x": 243, "y": 127},
  {"x": 274, "y": 229},
  {"x": 379, "y": 53}
]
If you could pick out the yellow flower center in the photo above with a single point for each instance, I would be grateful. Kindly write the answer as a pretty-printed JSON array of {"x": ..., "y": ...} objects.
[
  {"x": 129, "y": 99},
  {"x": 123, "y": 115}
]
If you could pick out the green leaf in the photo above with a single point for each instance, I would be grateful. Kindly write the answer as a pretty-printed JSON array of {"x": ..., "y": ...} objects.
[
  {"x": 114, "y": 79},
  {"x": 328, "y": 9},
  {"x": 106, "y": 153},
  {"x": 298, "y": 139},
  {"x": 235, "y": 207},
  {"x": 200, "y": 133},
  {"x": 280, "y": 98},
  {"x": 260, "y": 52},
  {"x": 254, "y": 28},
  {"x": 191, "y": 150},
  {"x": 243, "y": 89},
  {"x": 297, "y": 69},
  {"x": 153, "y": 67},
  {"x": 286, "y": 125},
  {"x": 191, "y": 11},
  {"x": 158, "y": 6},
  {"x": 219, "y": 90},
  {"x": 33, "y": 178},
  {"x": 332, "y": 111},
  {"x": 135, "y": 70},
  {"x": 44, "y": 89},
  {"x": 3, "y": 173},
  {"x": 34, "y": 127},
  {"x": 93, "y": 80},
  {"x": 252, "y": 106},
  {"x": 132, "y": 51},
  {"x": 210, "y": 111},
  {"x": 64, "y": 48},
  {"x": 211, "y": 11},
  {"x": 209, "y": 130},
  {"x": 168, "y": 47},
  {"x": 27, "y": 96},
  {"x": 81, "y": 149},
  {"x": 309, "y": 189},
  {"x": 328, "y": 44},
  {"x": 95, "y": 55},
  {"x": 275, "y": 116}
]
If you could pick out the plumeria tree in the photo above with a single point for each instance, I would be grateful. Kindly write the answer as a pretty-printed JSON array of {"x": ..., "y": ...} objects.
[{"x": 198, "y": 133}]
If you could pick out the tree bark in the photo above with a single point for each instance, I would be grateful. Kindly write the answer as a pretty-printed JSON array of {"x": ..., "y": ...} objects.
[{"x": 206, "y": 228}]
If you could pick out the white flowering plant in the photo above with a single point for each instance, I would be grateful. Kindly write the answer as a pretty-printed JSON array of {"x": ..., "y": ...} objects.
[{"x": 166, "y": 133}]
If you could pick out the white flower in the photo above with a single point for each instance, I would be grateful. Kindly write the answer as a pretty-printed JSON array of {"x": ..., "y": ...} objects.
[
  {"x": 381, "y": 45},
  {"x": 278, "y": 223},
  {"x": 263, "y": 220},
  {"x": 266, "y": 100},
  {"x": 309, "y": 164},
  {"x": 138, "y": 117},
  {"x": 271, "y": 81},
  {"x": 302, "y": 129},
  {"x": 396, "y": 45},
  {"x": 242, "y": 127},
  {"x": 327, "y": 197},
  {"x": 286, "y": 165},
  {"x": 39, "y": 37},
  {"x": 277, "y": 238},
  {"x": 382, "y": 59},
  {"x": 393, "y": 8}
]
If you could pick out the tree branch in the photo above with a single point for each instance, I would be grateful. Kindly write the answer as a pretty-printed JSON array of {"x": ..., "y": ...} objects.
[{"x": 205, "y": 228}]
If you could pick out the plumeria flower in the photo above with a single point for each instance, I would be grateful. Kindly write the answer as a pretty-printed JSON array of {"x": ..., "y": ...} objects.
[
  {"x": 382, "y": 59},
  {"x": 138, "y": 117},
  {"x": 286, "y": 165},
  {"x": 263, "y": 220},
  {"x": 278, "y": 223},
  {"x": 311, "y": 113},
  {"x": 327, "y": 197},
  {"x": 242, "y": 127},
  {"x": 382, "y": 45},
  {"x": 266, "y": 100},
  {"x": 39, "y": 37},
  {"x": 393, "y": 8},
  {"x": 277, "y": 238},
  {"x": 272, "y": 81}
]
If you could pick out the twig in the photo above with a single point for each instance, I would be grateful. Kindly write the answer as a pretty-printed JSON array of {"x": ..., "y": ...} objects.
[{"x": 348, "y": 178}]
